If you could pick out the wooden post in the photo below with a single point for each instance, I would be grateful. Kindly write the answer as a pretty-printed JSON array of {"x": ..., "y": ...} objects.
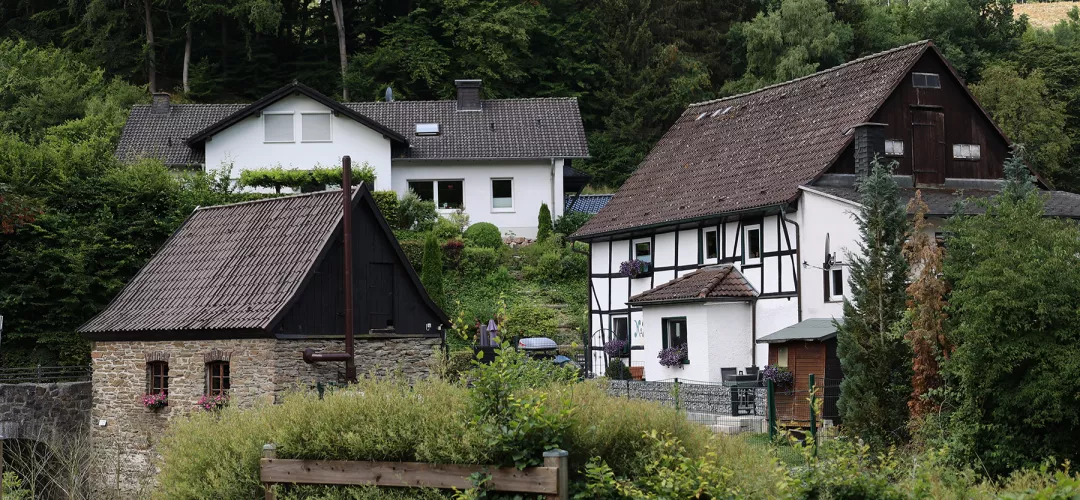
[
  {"x": 559, "y": 459},
  {"x": 813, "y": 410},
  {"x": 269, "y": 453},
  {"x": 771, "y": 394}
]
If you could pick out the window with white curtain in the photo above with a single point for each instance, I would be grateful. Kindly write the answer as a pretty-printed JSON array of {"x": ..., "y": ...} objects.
[
  {"x": 316, "y": 127},
  {"x": 278, "y": 127}
]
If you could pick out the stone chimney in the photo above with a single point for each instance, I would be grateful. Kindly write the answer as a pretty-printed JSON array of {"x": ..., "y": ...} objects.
[
  {"x": 160, "y": 103},
  {"x": 468, "y": 95},
  {"x": 869, "y": 141}
]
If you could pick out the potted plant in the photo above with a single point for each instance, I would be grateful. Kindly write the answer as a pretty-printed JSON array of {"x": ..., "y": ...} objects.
[
  {"x": 780, "y": 376},
  {"x": 155, "y": 402},
  {"x": 617, "y": 348},
  {"x": 635, "y": 268},
  {"x": 212, "y": 403},
  {"x": 673, "y": 357}
]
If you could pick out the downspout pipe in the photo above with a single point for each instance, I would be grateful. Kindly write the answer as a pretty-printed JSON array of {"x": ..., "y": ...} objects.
[
  {"x": 798, "y": 259},
  {"x": 310, "y": 356}
]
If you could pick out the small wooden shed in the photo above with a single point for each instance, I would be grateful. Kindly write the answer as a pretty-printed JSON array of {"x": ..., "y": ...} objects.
[{"x": 807, "y": 347}]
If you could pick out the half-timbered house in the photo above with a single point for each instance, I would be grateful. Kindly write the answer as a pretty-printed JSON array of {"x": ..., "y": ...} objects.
[{"x": 764, "y": 182}]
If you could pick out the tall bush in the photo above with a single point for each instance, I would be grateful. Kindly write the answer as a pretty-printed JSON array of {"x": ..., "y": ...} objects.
[
  {"x": 431, "y": 273},
  {"x": 387, "y": 201},
  {"x": 543, "y": 221},
  {"x": 484, "y": 234},
  {"x": 416, "y": 214},
  {"x": 875, "y": 360}
]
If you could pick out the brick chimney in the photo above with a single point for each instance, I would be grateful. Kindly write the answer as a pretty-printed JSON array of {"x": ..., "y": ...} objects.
[
  {"x": 869, "y": 141},
  {"x": 468, "y": 95},
  {"x": 160, "y": 103}
]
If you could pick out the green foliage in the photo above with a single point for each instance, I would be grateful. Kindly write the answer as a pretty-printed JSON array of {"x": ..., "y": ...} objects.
[
  {"x": 431, "y": 273},
  {"x": 543, "y": 219},
  {"x": 512, "y": 372},
  {"x": 569, "y": 223},
  {"x": 446, "y": 229},
  {"x": 484, "y": 234},
  {"x": 617, "y": 370},
  {"x": 13, "y": 487},
  {"x": 278, "y": 177},
  {"x": 414, "y": 252},
  {"x": 870, "y": 343},
  {"x": 387, "y": 201},
  {"x": 478, "y": 261},
  {"x": 527, "y": 320},
  {"x": 416, "y": 214},
  {"x": 1015, "y": 285}
]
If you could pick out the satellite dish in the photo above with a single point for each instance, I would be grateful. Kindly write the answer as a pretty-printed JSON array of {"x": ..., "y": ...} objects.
[{"x": 829, "y": 259}]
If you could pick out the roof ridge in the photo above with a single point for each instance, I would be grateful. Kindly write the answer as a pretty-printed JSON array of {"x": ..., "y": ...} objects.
[
  {"x": 273, "y": 198},
  {"x": 852, "y": 62},
  {"x": 725, "y": 271},
  {"x": 424, "y": 101}
]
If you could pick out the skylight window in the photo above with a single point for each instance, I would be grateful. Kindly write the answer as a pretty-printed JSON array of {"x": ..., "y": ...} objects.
[{"x": 427, "y": 129}]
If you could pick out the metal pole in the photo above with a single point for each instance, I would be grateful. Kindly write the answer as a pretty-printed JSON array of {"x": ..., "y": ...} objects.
[
  {"x": 813, "y": 410},
  {"x": 1, "y": 467},
  {"x": 771, "y": 396},
  {"x": 346, "y": 222}
]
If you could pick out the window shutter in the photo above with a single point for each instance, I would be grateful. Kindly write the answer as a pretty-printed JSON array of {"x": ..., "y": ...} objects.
[{"x": 316, "y": 126}]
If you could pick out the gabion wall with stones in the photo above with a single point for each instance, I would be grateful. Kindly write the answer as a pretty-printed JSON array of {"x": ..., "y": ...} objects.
[
  {"x": 36, "y": 411},
  {"x": 260, "y": 370},
  {"x": 703, "y": 398}
]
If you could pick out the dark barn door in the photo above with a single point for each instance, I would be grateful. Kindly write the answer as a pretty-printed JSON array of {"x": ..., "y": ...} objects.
[
  {"x": 381, "y": 295},
  {"x": 928, "y": 146}
]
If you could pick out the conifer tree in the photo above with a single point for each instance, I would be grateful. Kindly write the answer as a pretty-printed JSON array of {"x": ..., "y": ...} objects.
[
  {"x": 431, "y": 274},
  {"x": 875, "y": 360},
  {"x": 544, "y": 223}
]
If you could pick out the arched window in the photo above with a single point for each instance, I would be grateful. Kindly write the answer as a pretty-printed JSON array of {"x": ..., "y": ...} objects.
[
  {"x": 157, "y": 377},
  {"x": 217, "y": 378}
]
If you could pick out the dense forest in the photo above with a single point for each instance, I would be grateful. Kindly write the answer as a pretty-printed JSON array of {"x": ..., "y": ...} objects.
[{"x": 75, "y": 225}]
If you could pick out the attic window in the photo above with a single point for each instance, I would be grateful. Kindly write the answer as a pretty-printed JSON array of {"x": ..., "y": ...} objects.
[
  {"x": 966, "y": 151},
  {"x": 926, "y": 80},
  {"x": 894, "y": 147},
  {"x": 427, "y": 129}
]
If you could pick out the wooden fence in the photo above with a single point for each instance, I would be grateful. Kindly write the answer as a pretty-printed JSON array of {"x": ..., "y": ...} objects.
[{"x": 551, "y": 480}]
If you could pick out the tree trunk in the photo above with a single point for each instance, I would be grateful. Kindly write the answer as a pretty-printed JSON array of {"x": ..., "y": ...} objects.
[
  {"x": 151, "y": 70},
  {"x": 339, "y": 16},
  {"x": 187, "y": 57}
]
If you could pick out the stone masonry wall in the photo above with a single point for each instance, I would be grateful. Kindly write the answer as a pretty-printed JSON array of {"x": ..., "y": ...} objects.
[
  {"x": 261, "y": 371},
  {"x": 28, "y": 410}
]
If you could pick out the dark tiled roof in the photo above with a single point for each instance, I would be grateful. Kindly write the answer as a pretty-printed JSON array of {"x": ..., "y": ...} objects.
[
  {"x": 588, "y": 203},
  {"x": 504, "y": 128},
  {"x": 228, "y": 267},
  {"x": 941, "y": 201},
  {"x": 813, "y": 329},
  {"x": 707, "y": 283},
  {"x": 150, "y": 135},
  {"x": 755, "y": 149}
]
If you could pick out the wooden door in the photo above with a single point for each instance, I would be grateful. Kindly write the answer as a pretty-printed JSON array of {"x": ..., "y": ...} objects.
[
  {"x": 380, "y": 295},
  {"x": 928, "y": 146}
]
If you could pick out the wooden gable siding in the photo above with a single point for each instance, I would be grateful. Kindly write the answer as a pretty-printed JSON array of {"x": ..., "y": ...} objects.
[
  {"x": 964, "y": 124},
  {"x": 804, "y": 358},
  {"x": 382, "y": 288}
]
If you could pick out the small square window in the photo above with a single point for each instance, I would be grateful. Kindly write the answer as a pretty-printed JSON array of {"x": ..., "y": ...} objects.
[
  {"x": 752, "y": 245},
  {"x": 643, "y": 251},
  {"x": 316, "y": 127},
  {"x": 710, "y": 244},
  {"x": 502, "y": 194},
  {"x": 424, "y": 189},
  {"x": 926, "y": 80},
  {"x": 278, "y": 127},
  {"x": 834, "y": 285},
  {"x": 894, "y": 148},
  {"x": 675, "y": 335},
  {"x": 966, "y": 151}
]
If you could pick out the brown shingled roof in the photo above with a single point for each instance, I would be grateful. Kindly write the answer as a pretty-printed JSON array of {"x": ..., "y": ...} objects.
[
  {"x": 708, "y": 283},
  {"x": 753, "y": 150}
]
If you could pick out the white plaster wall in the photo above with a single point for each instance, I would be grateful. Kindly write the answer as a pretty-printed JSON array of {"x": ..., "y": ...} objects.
[
  {"x": 688, "y": 247},
  {"x": 664, "y": 253},
  {"x": 730, "y": 332},
  {"x": 620, "y": 251},
  {"x": 772, "y": 316},
  {"x": 697, "y": 342},
  {"x": 819, "y": 215},
  {"x": 532, "y": 186},
  {"x": 242, "y": 144},
  {"x": 601, "y": 257}
]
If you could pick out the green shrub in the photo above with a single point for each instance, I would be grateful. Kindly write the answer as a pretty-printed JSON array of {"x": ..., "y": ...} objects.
[
  {"x": 452, "y": 252},
  {"x": 13, "y": 487},
  {"x": 387, "y": 201},
  {"x": 478, "y": 261},
  {"x": 548, "y": 268},
  {"x": 527, "y": 320},
  {"x": 446, "y": 229},
  {"x": 569, "y": 224},
  {"x": 616, "y": 370},
  {"x": 414, "y": 251},
  {"x": 416, "y": 214},
  {"x": 543, "y": 219},
  {"x": 278, "y": 177},
  {"x": 460, "y": 219},
  {"x": 484, "y": 234},
  {"x": 432, "y": 273},
  {"x": 459, "y": 363}
]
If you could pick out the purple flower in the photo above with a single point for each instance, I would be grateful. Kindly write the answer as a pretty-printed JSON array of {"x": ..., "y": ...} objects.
[
  {"x": 778, "y": 374},
  {"x": 633, "y": 268},
  {"x": 616, "y": 348},
  {"x": 673, "y": 357}
]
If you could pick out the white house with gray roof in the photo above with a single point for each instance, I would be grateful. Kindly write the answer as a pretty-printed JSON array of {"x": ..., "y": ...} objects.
[{"x": 496, "y": 159}]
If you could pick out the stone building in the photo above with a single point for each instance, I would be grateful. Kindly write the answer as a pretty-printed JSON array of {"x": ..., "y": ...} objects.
[{"x": 230, "y": 303}]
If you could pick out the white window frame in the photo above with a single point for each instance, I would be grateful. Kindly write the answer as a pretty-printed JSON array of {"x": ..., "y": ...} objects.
[
  {"x": 491, "y": 186},
  {"x": 705, "y": 243},
  {"x": 435, "y": 193},
  {"x": 972, "y": 152},
  {"x": 652, "y": 251},
  {"x": 833, "y": 296},
  {"x": 746, "y": 244},
  {"x": 668, "y": 340},
  {"x": 290, "y": 113},
  {"x": 894, "y": 143},
  {"x": 331, "y": 139}
]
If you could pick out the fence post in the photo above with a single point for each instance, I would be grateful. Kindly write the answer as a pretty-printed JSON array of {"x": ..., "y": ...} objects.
[
  {"x": 269, "y": 453},
  {"x": 559, "y": 459},
  {"x": 677, "y": 395},
  {"x": 1, "y": 467},
  {"x": 37, "y": 374},
  {"x": 770, "y": 393},
  {"x": 813, "y": 412}
]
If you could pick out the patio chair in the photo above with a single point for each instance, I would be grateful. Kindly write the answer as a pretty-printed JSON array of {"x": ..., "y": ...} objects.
[{"x": 728, "y": 373}]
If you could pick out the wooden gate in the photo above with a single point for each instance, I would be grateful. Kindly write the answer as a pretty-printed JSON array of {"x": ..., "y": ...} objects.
[{"x": 928, "y": 146}]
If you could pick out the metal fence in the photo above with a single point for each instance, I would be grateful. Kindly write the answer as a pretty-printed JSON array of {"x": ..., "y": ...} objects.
[{"x": 44, "y": 374}]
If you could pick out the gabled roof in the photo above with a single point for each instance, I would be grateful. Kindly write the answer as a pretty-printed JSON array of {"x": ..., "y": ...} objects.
[
  {"x": 753, "y": 150},
  {"x": 706, "y": 284},
  {"x": 502, "y": 129},
  {"x": 813, "y": 329},
  {"x": 234, "y": 268},
  {"x": 281, "y": 93}
]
